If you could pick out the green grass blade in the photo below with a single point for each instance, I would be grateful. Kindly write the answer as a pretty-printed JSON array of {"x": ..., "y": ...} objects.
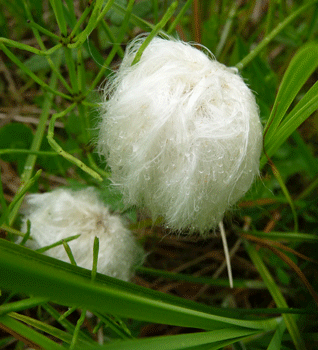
[
  {"x": 65, "y": 323},
  {"x": 116, "y": 46},
  {"x": 96, "y": 16},
  {"x": 286, "y": 236},
  {"x": 28, "y": 72},
  {"x": 305, "y": 107},
  {"x": 15, "y": 204},
  {"x": 299, "y": 70},
  {"x": 21, "y": 305},
  {"x": 178, "y": 17},
  {"x": 277, "y": 338},
  {"x": 22, "y": 46},
  {"x": 29, "y": 333},
  {"x": 157, "y": 28},
  {"x": 60, "y": 150},
  {"x": 276, "y": 294},
  {"x": 55, "y": 332},
  {"x": 58, "y": 9},
  {"x": 135, "y": 20},
  {"x": 181, "y": 341},
  {"x": 202, "y": 280},
  {"x": 26, "y": 271},
  {"x": 287, "y": 195}
]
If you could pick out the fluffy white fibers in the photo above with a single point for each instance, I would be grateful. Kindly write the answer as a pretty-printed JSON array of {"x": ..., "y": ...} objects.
[
  {"x": 181, "y": 134},
  {"x": 63, "y": 213}
]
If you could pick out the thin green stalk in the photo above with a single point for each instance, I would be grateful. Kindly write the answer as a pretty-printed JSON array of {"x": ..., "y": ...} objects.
[
  {"x": 71, "y": 69},
  {"x": 287, "y": 195},
  {"x": 121, "y": 35},
  {"x": 112, "y": 39},
  {"x": 123, "y": 332},
  {"x": 80, "y": 21},
  {"x": 69, "y": 252},
  {"x": 179, "y": 17},
  {"x": 247, "y": 59},
  {"x": 51, "y": 330},
  {"x": 67, "y": 313},
  {"x": 42, "y": 341},
  {"x": 77, "y": 329},
  {"x": 43, "y": 30},
  {"x": 37, "y": 139},
  {"x": 58, "y": 243},
  {"x": 65, "y": 323},
  {"x": 36, "y": 28},
  {"x": 27, "y": 71},
  {"x": 27, "y": 234},
  {"x": 92, "y": 23},
  {"x": 59, "y": 149},
  {"x": 58, "y": 9},
  {"x": 14, "y": 206},
  {"x": 12, "y": 230},
  {"x": 27, "y": 151},
  {"x": 94, "y": 166},
  {"x": 71, "y": 10},
  {"x": 95, "y": 258},
  {"x": 155, "y": 31},
  {"x": 276, "y": 294},
  {"x": 22, "y": 305},
  {"x": 21, "y": 46},
  {"x": 135, "y": 20},
  {"x": 54, "y": 48}
]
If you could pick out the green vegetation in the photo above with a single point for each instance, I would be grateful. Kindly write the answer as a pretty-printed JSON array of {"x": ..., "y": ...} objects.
[{"x": 55, "y": 56}]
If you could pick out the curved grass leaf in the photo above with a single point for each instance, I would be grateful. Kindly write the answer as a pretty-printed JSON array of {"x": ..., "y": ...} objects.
[
  {"x": 276, "y": 294},
  {"x": 26, "y": 271},
  {"x": 55, "y": 332},
  {"x": 27, "y": 334},
  {"x": 305, "y": 107},
  {"x": 279, "y": 126}
]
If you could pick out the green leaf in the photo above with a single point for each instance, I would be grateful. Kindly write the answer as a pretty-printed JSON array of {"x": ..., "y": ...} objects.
[
  {"x": 277, "y": 338},
  {"x": 57, "y": 333},
  {"x": 30, "y": 334},
  {"x": 181, "y": 341},
  {"x": 279, "y": 126},
  {"x": 305, "y": 107},
  {"x": 26, "y": 271},
  {"x": 277, "y": 295}
]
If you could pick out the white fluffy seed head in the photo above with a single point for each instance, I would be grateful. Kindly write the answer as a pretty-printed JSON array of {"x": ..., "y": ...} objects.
[
  {"x": 181, "y": 134},
  {"x": 64, "y": 213}
]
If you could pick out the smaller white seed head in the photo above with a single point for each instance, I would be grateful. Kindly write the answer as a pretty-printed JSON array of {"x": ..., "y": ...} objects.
[
  {"x": 63, "y": 213},
  {"x": 181, "y": 134}
]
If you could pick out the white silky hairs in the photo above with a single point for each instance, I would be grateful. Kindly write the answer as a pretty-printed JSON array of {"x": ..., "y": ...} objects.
[
  {"x": 181, "y": 133},
  {"x": 63, "y": 213}
]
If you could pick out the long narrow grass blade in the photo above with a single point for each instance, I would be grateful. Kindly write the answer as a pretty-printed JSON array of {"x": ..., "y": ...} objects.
[
  {"x": 181, "y": 341},
  {"x": 28, "y": 335},
  {"x": 278, "y": 297},
  {"x": 26, "y": 271}
]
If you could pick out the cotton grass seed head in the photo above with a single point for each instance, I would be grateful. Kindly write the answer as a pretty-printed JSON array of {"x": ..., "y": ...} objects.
[
  {"x": 181, "y": 134},
  {"x": 64, "y": 213}
]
